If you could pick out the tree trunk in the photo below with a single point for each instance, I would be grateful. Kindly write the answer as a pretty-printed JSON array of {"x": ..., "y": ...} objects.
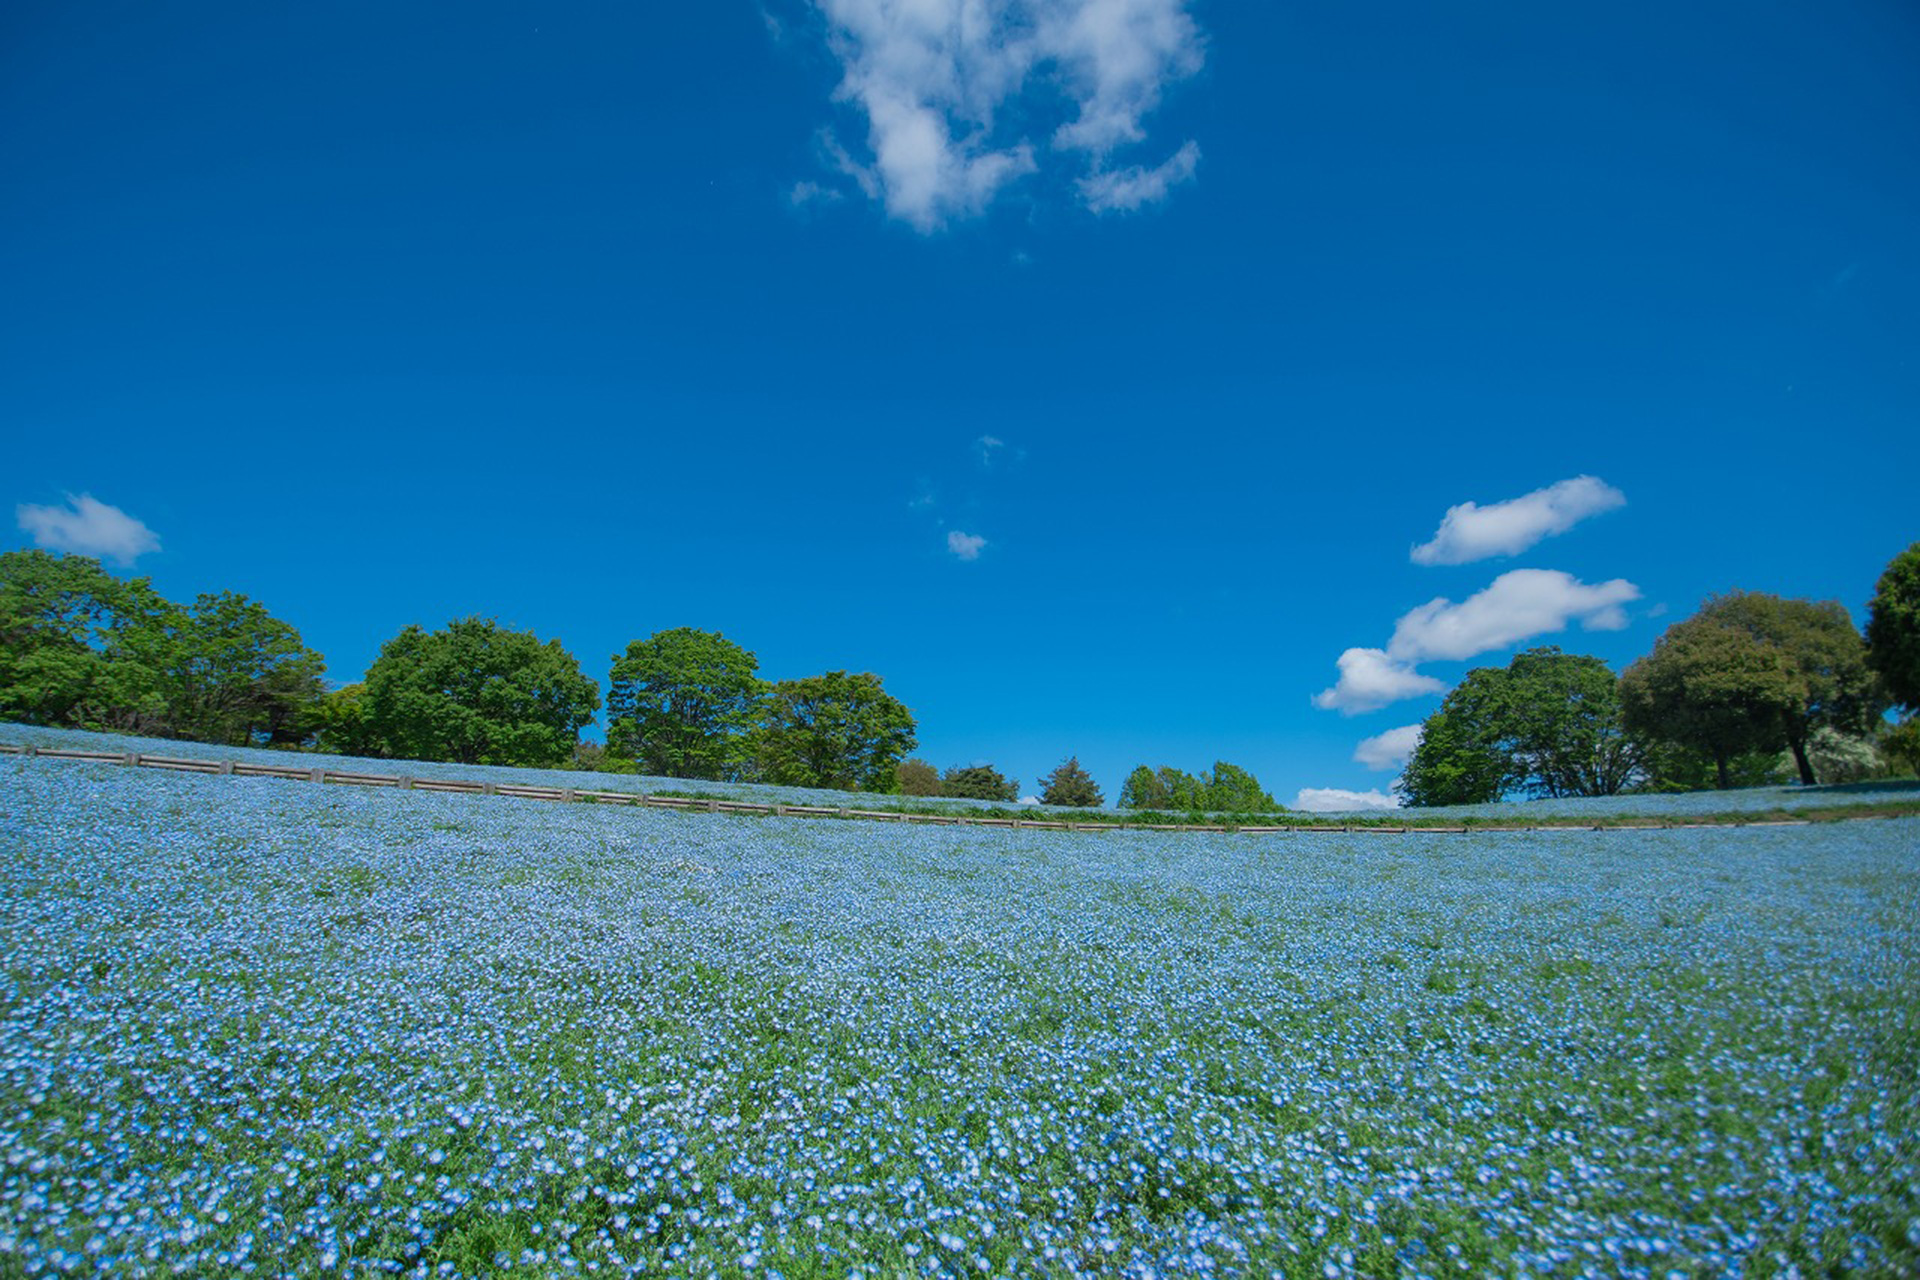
[
  {"x": 1799, "y": 747},
  {"x": 1720, "y": 763}
]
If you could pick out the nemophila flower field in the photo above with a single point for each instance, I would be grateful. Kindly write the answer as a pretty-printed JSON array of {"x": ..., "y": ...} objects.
[{"x": 256, "y": 1027}]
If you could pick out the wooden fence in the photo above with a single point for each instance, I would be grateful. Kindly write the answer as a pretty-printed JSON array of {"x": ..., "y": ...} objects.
[{"x": 695, "y": 804}]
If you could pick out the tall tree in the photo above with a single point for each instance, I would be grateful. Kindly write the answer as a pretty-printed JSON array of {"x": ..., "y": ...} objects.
[
  {"x": 682, "y": 703},
  {"x": 1144, "y": 789},
  {"x": 1459, "y": 759},
  {"x": 234, "y": 673},
  {"x": 475, "y": 693},
  {"x": 916, "y": 778},
  {"x": 837, "y": 730},
  {"x": 1754, "y": 672},
  {"x": 1231, "y": 789},
  {"x": 75, "y": 641},
  {"x": 1071, "y": 785},
  {"x": 1893, "y": 629},
  {"x": 978, "y": 782},
  {"x": 1548, "y": 723}
]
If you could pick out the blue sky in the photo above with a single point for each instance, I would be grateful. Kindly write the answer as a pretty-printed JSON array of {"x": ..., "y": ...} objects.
[{"x": 1090, "y": 371}]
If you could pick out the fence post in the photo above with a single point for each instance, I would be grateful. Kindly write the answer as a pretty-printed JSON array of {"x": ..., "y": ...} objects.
[
  {"x": 132, "y": 758},
  {"x": 226, "y": 767},
  {"x": 29, "y": 751},
  {"x": 404, "y": 783},
  {"x": 316, "y": 775},
  {"x": 488, "y": 789},
  {"x": 566, "y": 794}
]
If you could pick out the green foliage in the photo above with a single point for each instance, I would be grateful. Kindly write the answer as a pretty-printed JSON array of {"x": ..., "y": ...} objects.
[
  {"x": 69, "y": 643},
  {"x": 80, "y": 647},
  {"x": 1753, "y": 672},
  {"x": 1228, "y": 789},
  {"x": 835, "y": 730},
  {"x": 1144, "y": 789},
  {"x": 231, "y": 672},
  {"x": 978, "y": 782},
  {"x": 1069, "y": 784},
  {"x": 916, "y": 778},
  {"x": 1901, "y": 743},
  {"x": 1547, "y": 723},
  {"x": 340, "y": 722},
  {"x": 1893, "y": 628},
  {"x": 683, "y": 703},
  {"x": 1231, "y": 789},
  {"x": 474, "y": 693},
  {"x": 1675, "y": 766}
]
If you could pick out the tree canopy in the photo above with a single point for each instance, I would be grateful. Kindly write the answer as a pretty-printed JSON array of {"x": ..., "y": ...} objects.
[
  {"x": 1548, "y": 724},
  {"x": 978, "y": 782},
  {"x": 231, "y": 672},
  {"x": 1893, "y": 629},
  {"x": 475, "y": 693},
  {"x": 837, "y": 730},
  {"x": 916, "y": 778},
  {"x": 1071, "y": 785},
  {"x": 81, "y": 647},
  {"x": 682, "y": 704},
  {"x": 1753, "y": 672},
  {"x": 1228, "y": 789}
]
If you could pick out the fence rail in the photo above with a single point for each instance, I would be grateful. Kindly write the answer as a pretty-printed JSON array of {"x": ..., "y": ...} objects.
[{"x": 697, "y": 804}]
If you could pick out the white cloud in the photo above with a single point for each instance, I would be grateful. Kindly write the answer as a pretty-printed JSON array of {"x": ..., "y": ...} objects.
[
  {"x": 87, "y": 527},
  {"x": 1471, "y": 532},
  {"x": 1370, "y": 679},
  {"x": 966, "y": 546},
  {"x": 985, "y": 447},
  {"x": 1124, "y": 190},
  {"x": 1516, "y": 606},
  {"x": 1388, "y": 750},
  {"x": 1334, "y": 800},
  {"x": 938, "y": 79},
  {"x": 803, "y": 194}
]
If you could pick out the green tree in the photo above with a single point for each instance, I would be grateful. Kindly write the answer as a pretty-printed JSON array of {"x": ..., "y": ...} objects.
[
  {"x": 916, "y": 778},
  {"x": 340, "y": 722},
  {"x": 475, "y": 693},
  {"x": 75, "y": 642},
  {"x": 978, "y": 782},
  {"x": 1459, "y": 759},
  {"x": 1893, "y": 629},
  {"x": 682, "y": 703},
  {"x": 1548, "y": 723},
  {"x": 1753, "y": 672},
  {"x": 1144, "y": 789},
  {"x": 1231, "y": 789},
  {"x": 1070, "y": 785},
  {"x": 231, "y": 672},
  {"x": 836, "y": 730}
]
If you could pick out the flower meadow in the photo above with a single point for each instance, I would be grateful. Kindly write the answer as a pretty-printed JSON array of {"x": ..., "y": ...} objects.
[{"x": 253, "y": 1027}]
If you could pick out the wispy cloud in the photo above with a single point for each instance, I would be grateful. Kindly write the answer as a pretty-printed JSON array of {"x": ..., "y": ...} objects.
[
  {"x": 965, "y": 546},
  {"x": 1334, "y": 800},
  {"x": 1370, "y": 679},
  {"x": 949, "y": 89},
  {"x": 1124, "y": 190},
  {"x": 1388, "y": 750},
  {"x": 88, "y": 527},
  {"x": 986, "y": 447},
  {"x": 1471, "y": 532}
]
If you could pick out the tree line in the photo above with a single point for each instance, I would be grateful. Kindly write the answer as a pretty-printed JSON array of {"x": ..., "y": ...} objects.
[
  {"x": 1748, "y": 681},
  {"x": 1749, "y": 687}
]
